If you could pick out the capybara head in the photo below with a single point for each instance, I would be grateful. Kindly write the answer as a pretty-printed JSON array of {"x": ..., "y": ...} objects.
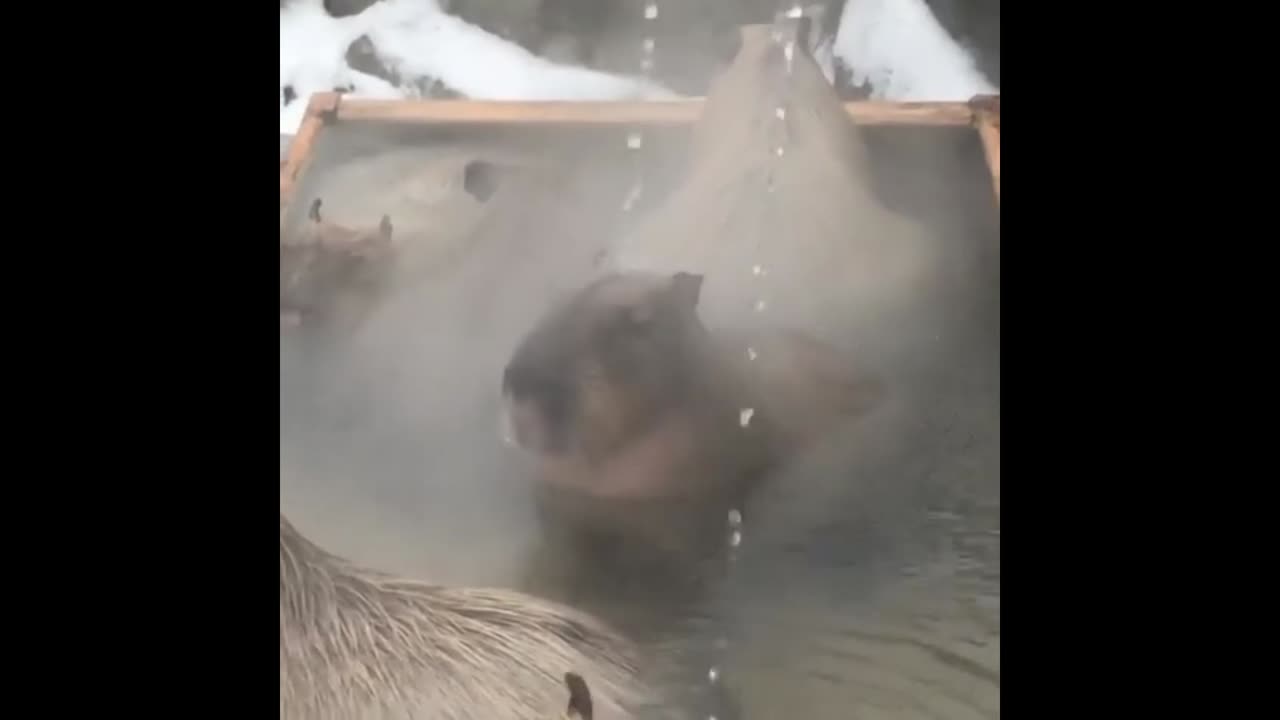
[
  {"x": 603, "y": 366},
  {"x": 323, "y": 264}
]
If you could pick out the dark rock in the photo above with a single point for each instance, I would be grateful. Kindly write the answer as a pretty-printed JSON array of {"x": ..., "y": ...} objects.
[
  {"x": 345, "y": 8},
  {"x": 975, "y": 24},
  {"x": 361, "y": 56}
]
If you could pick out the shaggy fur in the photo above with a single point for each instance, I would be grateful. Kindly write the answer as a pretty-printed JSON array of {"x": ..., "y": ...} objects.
[{"x": 358, "y": 644}]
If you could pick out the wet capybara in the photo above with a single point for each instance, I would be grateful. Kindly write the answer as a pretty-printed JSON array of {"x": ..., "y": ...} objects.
[
  {"x": 330, "y": 272},
  {"x": 358, "y": 644},
  {"x": 645, "y": 430},
  {"x": 623, "y": 393}
]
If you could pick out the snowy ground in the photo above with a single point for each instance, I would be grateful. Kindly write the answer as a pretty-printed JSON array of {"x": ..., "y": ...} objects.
[{"x": 897, "y": 46}]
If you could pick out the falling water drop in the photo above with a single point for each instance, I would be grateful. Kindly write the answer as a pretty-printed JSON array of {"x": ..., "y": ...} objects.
[
  {"x": 744, "y": 416},
  {"x": 735, "y": 518},
  {"x": 650, "y": 10},
  {"x": 760, "y": 305},
  {"x": 780, "y": 113},
  {"x": 646, "y": 61},
  {"x": 751, "y": 354},
  {"x": 634, "y": 140},
  {"x": 795, "y": 12},
  {"x": 780, "y": 151},
  {"x": 757, "y": 270},
  {"x": 713, "y": 675},
  {"x": 632, "y": 196},
  {"x": 735, "y": 538}
]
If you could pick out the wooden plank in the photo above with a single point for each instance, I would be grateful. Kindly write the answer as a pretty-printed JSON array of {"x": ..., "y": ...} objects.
[
  {"x": 320, "y": 106},
  {"x": 982, "y": 112},
  {"x": 682, "y": 112},
  {"x": 987, "y": 118}
]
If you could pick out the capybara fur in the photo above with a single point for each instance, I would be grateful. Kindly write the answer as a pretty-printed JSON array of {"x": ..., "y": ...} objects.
[
  {"x": 329, "y": 272},
  {"x": 632, "y": 412},
  {"x": 358, "y": 644},
  {"x": 623, "y": 393}
]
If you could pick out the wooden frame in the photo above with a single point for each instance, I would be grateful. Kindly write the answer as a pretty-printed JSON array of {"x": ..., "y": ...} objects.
[{"x": 982, "y": 112}]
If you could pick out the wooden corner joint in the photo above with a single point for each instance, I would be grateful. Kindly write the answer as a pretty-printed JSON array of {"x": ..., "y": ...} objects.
[
  {"x": 325, "y": 106},
  {"x": 986, "y": 108}
]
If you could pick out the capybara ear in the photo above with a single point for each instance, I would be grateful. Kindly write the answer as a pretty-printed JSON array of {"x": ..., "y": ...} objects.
[
  {"x": 687, "y": 288},
  {"x": 579, "y": 697},
  {"x": 480, "y": 180}
]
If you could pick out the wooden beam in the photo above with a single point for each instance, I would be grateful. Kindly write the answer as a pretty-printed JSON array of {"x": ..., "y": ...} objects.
[
  {"x": 982, "y": 112},
  {"x": 681, "y": 112},
  {"x": 321, "y": 107},
  {"x": 986, "y": 111}
]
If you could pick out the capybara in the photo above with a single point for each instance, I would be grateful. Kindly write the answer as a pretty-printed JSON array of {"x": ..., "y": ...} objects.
[
  {"x": 645, "y": 430},
  {"x": 622, "y": 392},
  {"x": 356, "y": 644},
  {"x": 329, "y": 271}
]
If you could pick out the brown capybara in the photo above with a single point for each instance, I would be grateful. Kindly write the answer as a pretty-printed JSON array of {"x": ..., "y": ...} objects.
[
  {"x": 646, "y": 430},
  {"x": 328, "y": 270},
  {"x": 622, "y": 393},
  {"x": 357, "y": 644}
]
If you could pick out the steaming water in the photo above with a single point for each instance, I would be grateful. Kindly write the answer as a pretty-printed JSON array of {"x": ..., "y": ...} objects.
[{"x": 864, "y": 584}]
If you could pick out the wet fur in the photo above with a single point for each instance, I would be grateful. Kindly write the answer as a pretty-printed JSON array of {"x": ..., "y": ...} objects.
[
  {"x": 355, "y": 643},
  {"x": 330, "y": 272},
  {"x": 625, "y": 408}
]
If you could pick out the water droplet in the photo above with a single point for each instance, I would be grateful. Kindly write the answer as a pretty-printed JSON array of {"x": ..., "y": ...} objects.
[
  {"x": 735, "y": 518},
  {"x": 648, "y": 45},
  {"x": 713, "y": 674},
  {"x": 789, "y": 52},
  {"x": 630, "y": 201},
  {"x": 751, "y": 354},
  {"x": 780, "y": 113},
  {"x": 634, "y": 140},
  {"x": 650, "y": 11},
  {"x": 735, "y": 538},
  {"x": 780, "y": 151},
  {"x": 646, "y": 65},
  {"x": 760, "y": 305},
  {"x": 744, "y": 416},
  {"x": 795, "y": 12},
  {"x": 757, "y": 270}
]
